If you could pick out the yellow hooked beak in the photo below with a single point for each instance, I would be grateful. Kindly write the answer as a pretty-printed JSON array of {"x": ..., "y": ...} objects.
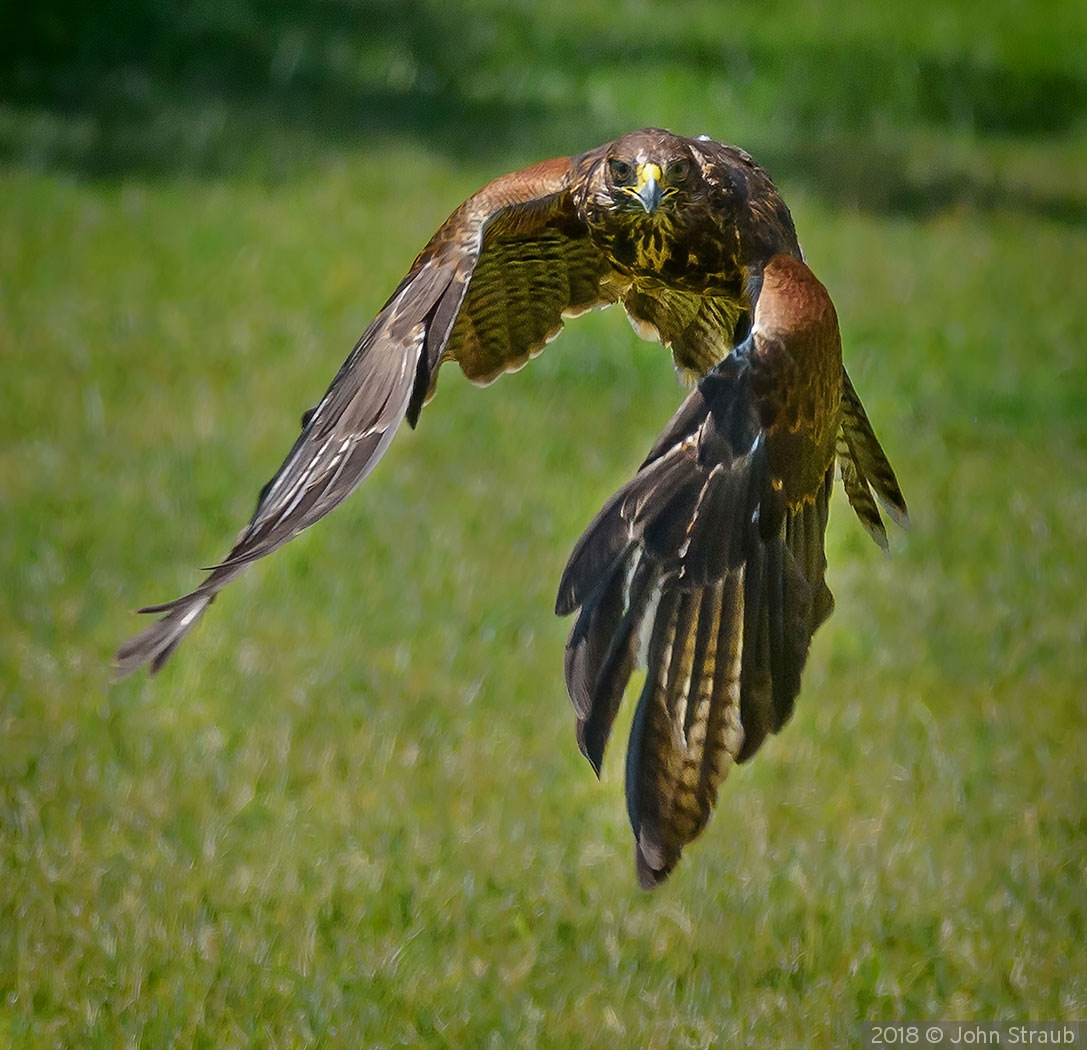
[{"x": 648, "y": 187}]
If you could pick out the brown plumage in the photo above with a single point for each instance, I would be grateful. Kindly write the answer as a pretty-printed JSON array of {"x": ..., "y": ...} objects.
[{"x": 710, "y": 560}]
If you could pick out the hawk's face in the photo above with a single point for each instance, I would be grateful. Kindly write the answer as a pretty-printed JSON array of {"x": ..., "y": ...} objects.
[
  {"x": 649, "y": 175},
  {"x": 645, "y": 203}
]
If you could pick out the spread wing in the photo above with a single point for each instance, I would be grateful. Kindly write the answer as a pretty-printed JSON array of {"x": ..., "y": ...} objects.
[
  {"x": 711, "y": 560},
  {"x": 489, "y": 290}
]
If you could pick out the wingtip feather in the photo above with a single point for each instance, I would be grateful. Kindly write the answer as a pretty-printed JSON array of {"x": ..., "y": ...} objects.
[
  {"x": 651, "y": 871},
  {"x": 155, "y": 644}
]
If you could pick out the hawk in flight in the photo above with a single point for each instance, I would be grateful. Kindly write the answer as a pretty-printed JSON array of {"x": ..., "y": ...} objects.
[{"x": 708, "y": 565}]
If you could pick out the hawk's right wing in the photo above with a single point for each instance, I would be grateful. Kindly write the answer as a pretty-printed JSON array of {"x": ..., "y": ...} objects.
[{"x": 491, "y": 287}]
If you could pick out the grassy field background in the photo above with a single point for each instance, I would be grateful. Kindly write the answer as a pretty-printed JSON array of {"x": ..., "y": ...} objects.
[{"x": 351, "y": 812}]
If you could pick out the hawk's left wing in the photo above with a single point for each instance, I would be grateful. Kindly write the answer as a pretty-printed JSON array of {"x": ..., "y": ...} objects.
[{"x": 711, "y": 560}]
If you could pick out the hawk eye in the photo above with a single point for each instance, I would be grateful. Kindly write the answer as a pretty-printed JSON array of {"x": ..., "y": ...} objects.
[
  {"x": 621, "y": 170},
  {"x": 678, "y": 171}
]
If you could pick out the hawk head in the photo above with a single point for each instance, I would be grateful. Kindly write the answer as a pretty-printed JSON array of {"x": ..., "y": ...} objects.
[
  {"x": 650, "y": 173},
  {"x": 645, "y": 199}
]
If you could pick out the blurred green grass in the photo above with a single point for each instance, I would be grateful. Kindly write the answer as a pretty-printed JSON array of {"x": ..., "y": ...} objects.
[{"x": 351, "y": 811}]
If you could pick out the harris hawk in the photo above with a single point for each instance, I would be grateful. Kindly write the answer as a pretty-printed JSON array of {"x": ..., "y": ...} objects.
[{"x": 708, "y": 565}]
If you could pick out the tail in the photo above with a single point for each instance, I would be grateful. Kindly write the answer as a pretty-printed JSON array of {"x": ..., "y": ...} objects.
[{"x": 865, "y": 469}]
